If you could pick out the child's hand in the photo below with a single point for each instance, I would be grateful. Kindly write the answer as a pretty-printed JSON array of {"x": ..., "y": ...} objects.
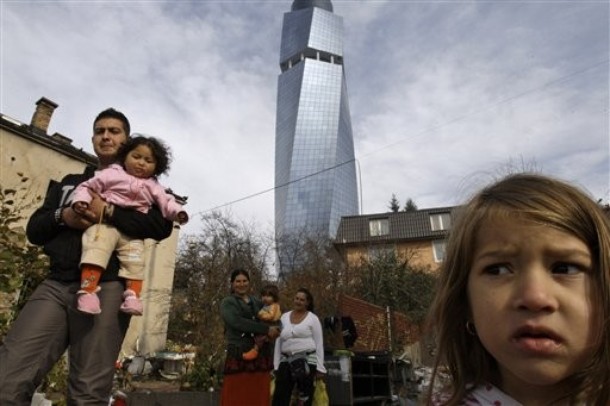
[
  {"x": 182, "y": 217},
  {"x": 265, "y": 316},
  {"x": 80, "y": 207},
  {"x": 274, "y": 332}
]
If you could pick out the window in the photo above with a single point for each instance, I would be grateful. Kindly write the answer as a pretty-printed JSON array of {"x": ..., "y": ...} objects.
[
  {"x": 379, "y": 227},
  {"x": 438, "y": 249},
  {"x": 440, "y": 221}
]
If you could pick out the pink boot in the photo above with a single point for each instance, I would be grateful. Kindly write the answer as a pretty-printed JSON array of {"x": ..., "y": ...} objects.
[
  {"x": 88, "y": 302},
  {"x": 131, "y": 303}
]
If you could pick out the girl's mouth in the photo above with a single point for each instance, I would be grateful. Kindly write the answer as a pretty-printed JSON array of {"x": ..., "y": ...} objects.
[{"x": 537, "y": 340}]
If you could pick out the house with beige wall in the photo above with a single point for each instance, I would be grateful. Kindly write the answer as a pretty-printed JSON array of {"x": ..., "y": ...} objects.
[
  {"x": 417, "y": 236},
  {"x": 28, "y": 151}
]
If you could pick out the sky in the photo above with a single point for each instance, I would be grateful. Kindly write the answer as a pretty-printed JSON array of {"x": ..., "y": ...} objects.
[{"x": 445, "y": 96}]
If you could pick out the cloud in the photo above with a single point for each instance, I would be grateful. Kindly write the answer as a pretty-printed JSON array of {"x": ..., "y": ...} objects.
[{"x": 443, "y": 95}]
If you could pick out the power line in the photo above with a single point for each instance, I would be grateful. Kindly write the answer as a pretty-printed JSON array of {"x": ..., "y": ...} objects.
[
  {"x": 427, "y": 130},
  {"x": 277, "y": 187}
]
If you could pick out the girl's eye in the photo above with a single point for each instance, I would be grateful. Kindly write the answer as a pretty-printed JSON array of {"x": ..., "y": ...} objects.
[
  {"x": 565, "y": 269},
  {"x": 496, "y": 269}
]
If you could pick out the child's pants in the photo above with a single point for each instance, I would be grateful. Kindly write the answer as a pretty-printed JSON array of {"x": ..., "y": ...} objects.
[{"x": 101, "y": 240}]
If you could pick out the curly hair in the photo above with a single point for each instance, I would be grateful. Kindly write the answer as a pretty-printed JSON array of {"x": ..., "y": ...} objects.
[
  {"x": 542, "y": 200},
  {"x": 159, "y": 150}
]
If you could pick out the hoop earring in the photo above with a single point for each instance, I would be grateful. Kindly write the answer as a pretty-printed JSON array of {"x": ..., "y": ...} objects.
[{"x": 470, "y": 328}]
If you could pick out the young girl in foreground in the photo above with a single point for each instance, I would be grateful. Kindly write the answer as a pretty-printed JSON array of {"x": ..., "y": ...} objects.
[{"x": 522, "y": 307}]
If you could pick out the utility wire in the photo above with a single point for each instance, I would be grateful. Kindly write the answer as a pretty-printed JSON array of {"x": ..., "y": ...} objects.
[{"x": 427, "y": 130}]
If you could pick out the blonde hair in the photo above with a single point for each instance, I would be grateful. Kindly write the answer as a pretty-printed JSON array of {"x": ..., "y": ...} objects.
[{"x": 534, "y": 198}]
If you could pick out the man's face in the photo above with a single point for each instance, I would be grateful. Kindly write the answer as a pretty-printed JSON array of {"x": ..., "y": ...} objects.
[{"x": 108, "y": 136}]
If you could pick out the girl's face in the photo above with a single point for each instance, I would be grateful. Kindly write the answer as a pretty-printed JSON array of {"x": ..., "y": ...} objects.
[
  {"x": 531, "y": 296},
  {"x": 267, "y": 299},
  {"x": 300, "y": 302},
  {"x": 241, "y": 285},
  {"x": 140, "y": 162}
]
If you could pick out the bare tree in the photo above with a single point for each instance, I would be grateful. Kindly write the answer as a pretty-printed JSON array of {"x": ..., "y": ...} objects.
[
  {"x": 320, "y": 270},
  {"x": 202, "y": 274},
  {"x": 390, "y": 280}
]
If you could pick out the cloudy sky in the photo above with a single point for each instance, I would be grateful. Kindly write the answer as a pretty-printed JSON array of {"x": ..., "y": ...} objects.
[{"x": 444, "y": 95}]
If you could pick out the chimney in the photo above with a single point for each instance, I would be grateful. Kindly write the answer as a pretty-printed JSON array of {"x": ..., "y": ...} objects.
[{"x": 42, "y": 115}]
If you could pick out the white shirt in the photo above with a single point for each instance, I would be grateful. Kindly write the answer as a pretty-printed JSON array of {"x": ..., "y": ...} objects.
[{"x": 305, "y": 336}]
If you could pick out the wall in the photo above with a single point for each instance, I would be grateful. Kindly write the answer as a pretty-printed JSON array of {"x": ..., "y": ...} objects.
[
  {"x": 372, "y": 327},
  {"x": 35, "y": 161},
  {"x": 419, "y": 252}
]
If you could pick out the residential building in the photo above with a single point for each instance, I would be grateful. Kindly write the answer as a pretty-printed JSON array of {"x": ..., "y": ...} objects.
[
  {"x": 29, "y": 152},
  {"x": 315, "y": 173},
  {"x": 418, "y": 236}
]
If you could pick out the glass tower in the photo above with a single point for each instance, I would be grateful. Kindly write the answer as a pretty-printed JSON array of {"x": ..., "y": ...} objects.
[{"x": 315, "y": 172}]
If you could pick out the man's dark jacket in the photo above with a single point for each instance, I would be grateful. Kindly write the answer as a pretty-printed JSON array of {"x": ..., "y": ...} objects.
[{"x": 63, "y": 244}]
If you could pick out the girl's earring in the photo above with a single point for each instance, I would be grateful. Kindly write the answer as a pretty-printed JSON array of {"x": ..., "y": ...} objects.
[{"x": 470, "y": 328}]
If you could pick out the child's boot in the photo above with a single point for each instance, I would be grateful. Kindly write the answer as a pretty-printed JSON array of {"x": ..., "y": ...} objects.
[
  {"x": 88, "y": 302},
  {"x": 131, "y": 303},
  {"x": 250, "y": 355}
]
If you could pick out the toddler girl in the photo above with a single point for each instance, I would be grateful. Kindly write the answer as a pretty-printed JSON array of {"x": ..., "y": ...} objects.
[
  {"x": 131, "y": 184},
  {"x": 522, "y": 307},
  {"x": 269, "y": 313}
]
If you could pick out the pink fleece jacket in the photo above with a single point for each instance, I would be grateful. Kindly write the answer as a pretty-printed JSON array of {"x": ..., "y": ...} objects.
[{"x": 118, "y": 187}]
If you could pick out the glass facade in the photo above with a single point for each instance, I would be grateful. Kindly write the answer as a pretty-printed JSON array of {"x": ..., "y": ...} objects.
[{"x": 315, "y": 172}]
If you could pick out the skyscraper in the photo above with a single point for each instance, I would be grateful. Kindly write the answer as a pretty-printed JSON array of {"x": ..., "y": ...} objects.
[{"x": 315, "y": 172}]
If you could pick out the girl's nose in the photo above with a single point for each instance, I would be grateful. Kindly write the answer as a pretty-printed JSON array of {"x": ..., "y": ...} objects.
[{"x": 533, "y": 291}]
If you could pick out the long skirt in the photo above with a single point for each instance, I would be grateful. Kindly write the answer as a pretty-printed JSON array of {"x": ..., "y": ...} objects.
[{"x": 246, "y": 389}]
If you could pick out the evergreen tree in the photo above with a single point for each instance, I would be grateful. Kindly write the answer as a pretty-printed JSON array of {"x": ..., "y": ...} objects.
[
  {"x": 394, "y": 205},
  {"x": 410, "y": 205}
]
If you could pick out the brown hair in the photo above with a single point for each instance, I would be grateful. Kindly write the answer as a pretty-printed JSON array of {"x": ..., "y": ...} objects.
[
  {"x": 534, "y": 198},
  {"x": 309, "y": 296},
  {"x": 271, "y": 290}
]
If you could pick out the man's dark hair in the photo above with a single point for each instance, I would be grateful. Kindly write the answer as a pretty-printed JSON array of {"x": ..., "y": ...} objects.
[
  {"x": 112, "y": 113},
  {"x": 159, "y": 150}
]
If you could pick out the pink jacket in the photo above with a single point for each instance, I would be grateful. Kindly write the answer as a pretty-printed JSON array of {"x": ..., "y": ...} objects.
[{"x": 118, "y": 187}]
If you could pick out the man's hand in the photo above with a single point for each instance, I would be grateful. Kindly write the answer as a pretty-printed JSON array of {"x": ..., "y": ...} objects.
[
  {"x": 74, "y": 220},
  {"x": 80, "y": 208},
  {"x": 90, "y": 212},
  {"x": 96, "y": 208}
]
